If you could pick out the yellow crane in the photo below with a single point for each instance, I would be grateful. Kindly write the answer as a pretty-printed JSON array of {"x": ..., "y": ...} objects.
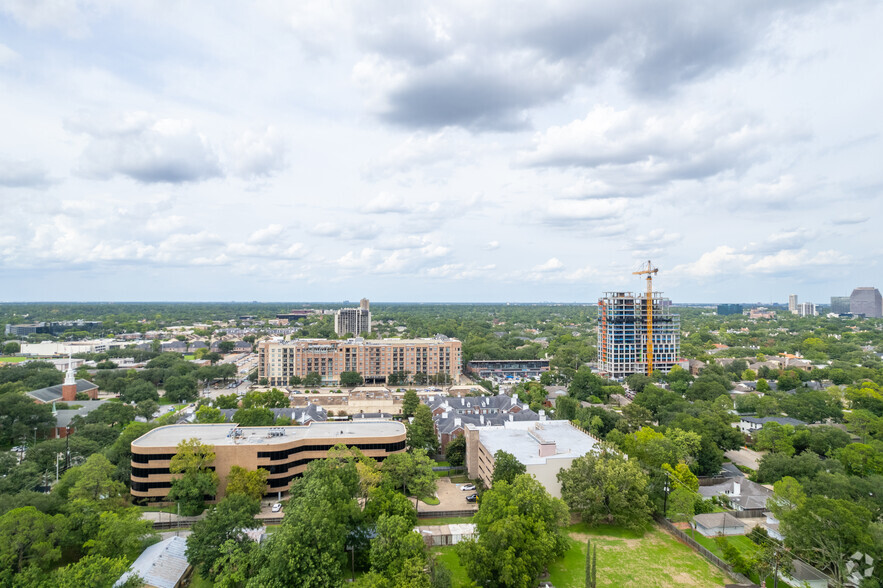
[{"x": 649, "y": 271}]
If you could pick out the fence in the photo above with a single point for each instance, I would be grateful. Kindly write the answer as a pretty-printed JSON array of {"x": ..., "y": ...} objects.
[
  {"x": 686, "y": 539},
  {"x": 438, "y": 514},
  {"x": 449, "y": 469},
  {"x": 187, "y": 523}
]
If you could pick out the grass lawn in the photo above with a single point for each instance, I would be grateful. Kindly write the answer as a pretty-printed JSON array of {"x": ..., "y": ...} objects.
[
  {"x": 429, "y": 500},
  {"x": 197, "y": 581},
  {"x": 444, "y": 521},
  {"x": 629, "y": 559},
  {"x": 13, "y": 359},
  {"x": 191, "y": 356},
  {"x": 442, "y": 464},
  {"x": 448, "y": 556},
  {"x": 741, "y": 542},
  {"x": 461, "y": 479},
  {"x": 173, "y": 509}
]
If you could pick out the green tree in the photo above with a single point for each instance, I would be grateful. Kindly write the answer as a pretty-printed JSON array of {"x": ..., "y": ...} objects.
[
  {"x": 775, "y": 437},
  {"x": 421, "y": 430},
  {"x": 518, "y": 533},
  {"x": 226, "y": 346},
  {"x": 224, "y": 522},
  {"x": 591, "y": 565},
  {"x": 11, "y": 348},
  {"x": 506, "y": 467},
  {"x": 121, "y": 533},
  {"x": 384, "y": 500},
  {"x": 207, "y": 414},
  {"x": 826, "y": 532},
  {"x": 193, "y": 478},
  {"x": 181, "y": 388},
  {"x": 351, "y": 379},
  {"x": 94, "y": 481},
  {"x": 112, "y": 413},
  {"x": 146, "y": 409},
  {"x": 412, "y": 472},
  {"x": 227, "y": 401},
  {"x": 137, "y": 391},
  {"x": 249, "y": 483},
  {"x": 234, "y": 564},
  {"x": 862, "y": 460},
  {"x": 410, "y": 402},
  {"x": 395, "y": 545},
  {"x": 455, "y": 452},
  {"x": 19, "y": 415},
  {"x": 313, "y": 379},
  {"x": 254, "y": 417},
  {"x": 29, "y": 538},
  {"x": 607, "y": 488},
  {"x": 95, "y": 571}
]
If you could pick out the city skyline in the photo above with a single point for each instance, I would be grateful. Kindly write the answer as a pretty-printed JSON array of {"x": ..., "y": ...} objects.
[{"x": 451, "y": 153}]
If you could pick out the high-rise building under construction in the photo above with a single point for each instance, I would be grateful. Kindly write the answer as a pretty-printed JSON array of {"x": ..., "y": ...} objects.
[{"x": 637, "y": 333}]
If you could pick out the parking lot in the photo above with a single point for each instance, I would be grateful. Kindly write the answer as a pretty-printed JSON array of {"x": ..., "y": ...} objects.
[{"x": 450, "y": 497}]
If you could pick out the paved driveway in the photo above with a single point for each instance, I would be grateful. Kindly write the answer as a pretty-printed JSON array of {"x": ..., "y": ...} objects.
[
  {"x": 450, "y": 497},
  {"x": 745, "y": 457}
]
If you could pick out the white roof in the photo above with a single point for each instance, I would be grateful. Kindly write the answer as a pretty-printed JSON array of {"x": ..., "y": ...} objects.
[
  {"x": 523, "y": 439},
  {"x": 161, "y": 565}
]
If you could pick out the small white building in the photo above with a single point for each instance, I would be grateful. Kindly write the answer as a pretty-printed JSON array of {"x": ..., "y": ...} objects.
[
  {"x": 713, "y": 524},
  {"x": 162, "y": 565}
]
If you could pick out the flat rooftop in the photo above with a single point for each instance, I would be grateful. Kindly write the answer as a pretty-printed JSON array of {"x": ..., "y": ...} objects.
[
  {"x": 522, "y": 439},
  {"x": 222, "y": 434}
]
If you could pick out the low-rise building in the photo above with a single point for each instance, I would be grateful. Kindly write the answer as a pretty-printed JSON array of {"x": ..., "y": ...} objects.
[
  {"x": 507, "y": 369},
  {"x": 712, "y": 524},
  {"x": 162, "y": 565},
  {"x": 544, "y": 447},
  {"x": 66, "y": 391},
  {"x": 751, "y": 424},
  {"x": 285, "y": 452},
  {"x": 743, "y": 494}
]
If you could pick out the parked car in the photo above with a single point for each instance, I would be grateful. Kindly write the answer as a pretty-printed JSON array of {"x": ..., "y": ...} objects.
[
  {"x": 472, "y": 498},
  {"x": 277, "y": 507},
  {"x": 467, "y": 487}
]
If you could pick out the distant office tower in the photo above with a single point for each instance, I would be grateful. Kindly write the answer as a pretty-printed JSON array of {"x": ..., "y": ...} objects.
[
  {"x": 728, "y": 309},
  {"x": 792, "y": 303},
  {"x": 839, "y": 304},
  {"x": 866, "y": 301},
  {"x": 353, "y": 320},
  {"x": 807, "y": 309},
  {"x": 622, "y": 334}
]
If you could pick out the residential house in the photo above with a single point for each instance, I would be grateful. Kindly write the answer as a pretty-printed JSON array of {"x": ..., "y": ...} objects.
[{"x": 713, "y": 524}]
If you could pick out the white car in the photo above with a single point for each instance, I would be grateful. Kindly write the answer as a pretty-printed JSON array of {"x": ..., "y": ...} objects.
[
  {"x": 277, "y": 507},
  {"x": 467, "y": 487}
]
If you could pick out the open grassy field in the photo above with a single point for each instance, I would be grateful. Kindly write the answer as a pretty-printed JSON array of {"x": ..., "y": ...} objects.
[
  {"x": 625, "y": 559},
  {"x": 628, "y": 559},
  {"x": 444, "y": 521},
  {"x": 13, "y": 359}
]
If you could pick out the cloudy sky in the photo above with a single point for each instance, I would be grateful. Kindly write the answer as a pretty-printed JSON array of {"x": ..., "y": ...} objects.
[{"x": 456, "y": 151}]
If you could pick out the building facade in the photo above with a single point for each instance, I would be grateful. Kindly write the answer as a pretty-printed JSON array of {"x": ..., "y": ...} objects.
[
  {"x": 729, "y": 309},
  {"x": 353, "y": 320},
  {"x": 508, "y": 369},
  {"x": 807, "y": 309},
  {"x": 792, "y": 303},
  {"x": 285, "y": 452},
  {"x": 623, "y": 334},
  {"x": 866, "y": 301},
  {"x": 544, "y": 447},
  {"x": 840, "y": 304},
  {"x": 374, "y": 359}
]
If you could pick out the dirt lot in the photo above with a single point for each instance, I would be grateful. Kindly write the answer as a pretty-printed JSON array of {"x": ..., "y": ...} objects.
[{"x": 745, "y": 457}]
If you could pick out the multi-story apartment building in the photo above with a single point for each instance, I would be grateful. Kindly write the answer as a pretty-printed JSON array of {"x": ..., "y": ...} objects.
[
  {"x": 623, "y": 334},
  {"x": 866, "y": 301},
  {"x": 374, "y": 359},
  {"x": 353, "y": 320},
  {"x": 807, "y": 309},
  {"x": 283, "y": 451},
  {"x": 792, "y": 303}
]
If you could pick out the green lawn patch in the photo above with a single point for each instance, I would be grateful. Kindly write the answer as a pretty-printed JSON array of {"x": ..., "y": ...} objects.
[
  {"x": 190, "y": 356},
  {"x": 448, "y": 556},
  {"x": 429, "y": 500},
  {"x": 13, "y": 359},
  {"x": 461, "y": 479},
  {"x": 626, "y": 558},
  {"x": 197, "y": 581},
  {"x": 443, "y": 464},
  {"x": 740, "y": 542},
  {"x": 444, "y": 521}
]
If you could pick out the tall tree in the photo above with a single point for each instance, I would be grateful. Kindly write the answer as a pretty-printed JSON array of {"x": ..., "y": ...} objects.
[
  {"x": 410, "y": 402},
  {"x": 421, "y": 430},
  {"x": 252, "y": 484},
  {"x": 518, "y": 533},
  {"x": 455, "y": 452},
  {"x": 29, "y": 538},
  {"x": 224, "y": 522},
  {"x": 607, "y": 488},
  {"x": 194, "y": 480},
  {"x": 506, "y": 467}
]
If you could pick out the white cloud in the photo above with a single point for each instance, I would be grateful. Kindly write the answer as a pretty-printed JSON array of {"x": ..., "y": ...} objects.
[
  {"x": 385, "y": 203},
  {"x": 551, "y": 265},
  {"x": 254, "y": 155}
]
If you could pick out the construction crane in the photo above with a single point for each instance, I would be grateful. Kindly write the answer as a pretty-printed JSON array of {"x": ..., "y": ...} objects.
[{"x": 649, "y": 271}]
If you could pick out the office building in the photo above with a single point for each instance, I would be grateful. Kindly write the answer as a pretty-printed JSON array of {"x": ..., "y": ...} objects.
[
  {"x": 866, "y": 301},
  {"x": 792, "y": 303},
  {"x": 355, "y": 321},
  {"x": 840, "y": 304},
  {"x": 508, "y": 369},
  {"x": 623, "y": 327},
  {"x": 728, "y": 309},
  {"x": 285, "y": 452},
  {"x": 544, "y": 447},
  {"x": 438, "y": 358},
  {"x": 807, "y": 309}
]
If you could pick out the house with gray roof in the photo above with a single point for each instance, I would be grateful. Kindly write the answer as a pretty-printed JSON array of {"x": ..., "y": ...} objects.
[
  {"x": 743, "y": 494},
  {"x": 751, "y": 424},
  {"x": 64, "y": 416},
  {"x": 448, "y": 425},
  {"x": 54, "y": 393},
  {"x": 713, "y": 524}
]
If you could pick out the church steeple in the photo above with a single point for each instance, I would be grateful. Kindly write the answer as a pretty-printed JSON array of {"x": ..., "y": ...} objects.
[{"x": 69, "y": 388}]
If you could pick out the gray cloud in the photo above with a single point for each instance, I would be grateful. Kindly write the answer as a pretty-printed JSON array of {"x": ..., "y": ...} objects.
[
  {"x": 483, "y": 72},
  {"x": 23, "y": 174}
]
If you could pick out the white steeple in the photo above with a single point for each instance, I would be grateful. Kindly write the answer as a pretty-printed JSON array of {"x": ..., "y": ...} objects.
[{"x": 70, "y": 377}]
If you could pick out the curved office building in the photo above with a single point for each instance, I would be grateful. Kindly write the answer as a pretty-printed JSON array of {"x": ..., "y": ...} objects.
[{"x": 283, "y": 451}]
